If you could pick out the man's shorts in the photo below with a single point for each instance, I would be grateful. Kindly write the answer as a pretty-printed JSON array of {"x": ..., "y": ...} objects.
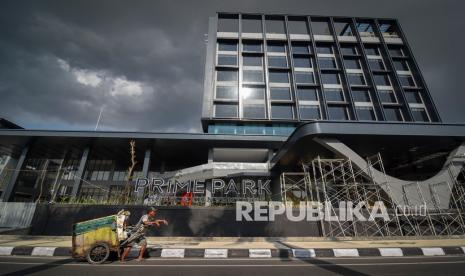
[{"x": 141, "y": 241}]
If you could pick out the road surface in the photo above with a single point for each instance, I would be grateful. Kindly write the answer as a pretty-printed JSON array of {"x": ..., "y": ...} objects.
[{"x": 443, "y": 265}]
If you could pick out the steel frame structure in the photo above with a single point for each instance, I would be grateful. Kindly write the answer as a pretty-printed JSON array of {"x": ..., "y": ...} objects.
[{"x": 332, "y": 181}]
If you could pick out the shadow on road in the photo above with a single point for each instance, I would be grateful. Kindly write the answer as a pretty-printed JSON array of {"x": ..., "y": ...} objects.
[{"x": 329, "y": 266}]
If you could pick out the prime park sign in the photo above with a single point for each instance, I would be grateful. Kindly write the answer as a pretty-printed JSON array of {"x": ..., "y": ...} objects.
[{"x": 229, "y": 186}]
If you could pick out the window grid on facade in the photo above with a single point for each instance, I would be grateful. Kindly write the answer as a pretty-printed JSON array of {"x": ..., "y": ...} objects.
[{"x": 284, "y": 55}]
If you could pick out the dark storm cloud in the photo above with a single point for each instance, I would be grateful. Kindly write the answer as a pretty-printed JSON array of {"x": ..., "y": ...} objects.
[{"x": 61, "y": 61}]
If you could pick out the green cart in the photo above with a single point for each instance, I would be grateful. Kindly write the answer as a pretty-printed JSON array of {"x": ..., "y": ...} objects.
[{"x": 94, "y": 240}]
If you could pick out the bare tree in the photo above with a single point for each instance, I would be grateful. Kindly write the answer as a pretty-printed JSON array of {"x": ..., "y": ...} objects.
[{"x": 127, "y": 190}]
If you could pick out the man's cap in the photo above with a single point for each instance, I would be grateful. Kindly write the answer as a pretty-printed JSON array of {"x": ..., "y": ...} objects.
[{"x": 151, "y": 209}]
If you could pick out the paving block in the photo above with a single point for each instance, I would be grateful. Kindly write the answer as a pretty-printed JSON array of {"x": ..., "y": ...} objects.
[
  {"x": 259, "y": 253},
  {"x": 391, "y": 252},
  {"x": 43, "y": 251},
  {"x": 6, "y": 250},
  {"x": 432, "y": 251},
  {"x": 345, "y": 252},
  {"x": 172, "y": 253},
  {"x": 303, "y": 253},
  {"x": 216, "y": 253}
]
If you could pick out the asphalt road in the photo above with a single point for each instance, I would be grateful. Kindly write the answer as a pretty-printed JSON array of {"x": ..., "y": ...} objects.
[{"x": 193, "y": 267}]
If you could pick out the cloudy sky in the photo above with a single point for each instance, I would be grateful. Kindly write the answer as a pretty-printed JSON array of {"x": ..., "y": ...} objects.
[{"x": 142, "y": 61}]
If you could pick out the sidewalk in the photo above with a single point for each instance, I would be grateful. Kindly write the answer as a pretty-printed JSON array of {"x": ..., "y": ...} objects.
[{"x": 247, "y": 243}]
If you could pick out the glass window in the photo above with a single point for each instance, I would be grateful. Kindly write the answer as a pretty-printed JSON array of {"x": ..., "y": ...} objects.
[
  {"x": 387, "y": 96},
  {"x": 343, "y": 28},
  {"x": 275, "y": 26},
  {"x": 253, "y": 93},
  {"x": 254, "y": 129},
  {"x": 226, "y": 129},
  {"x": 251, "y": 24},
  {"x": 365, "y": 113},
  {"x": 304, "y": 77},
  {"x": 327, "y": 63},
  {"x": 225, "y": 110},
  {"x": 280, "y": 93},
  {"x": 307, "y": 94},
  {"x": 396, "y": 51},
  {"x": 227, "y": 46},
  {"x": 413, "y": 97},
  {"x": 376, "y": 64},
  {"x": 300, "y": 48},
  {"x": 393, "y": 114},
  {"x": 366, "y": 29},
  {"x": 252, "y": 46},
  {"x": 226, "y": 92},
  {"x": 352, "y": 63},
  {"x": 320, "y": 27},
  {"x": 252, "y": 76},
  {"x": 388, "y": 30},
  {"x": 337, "y": 113},
  {"x": 334, "y": 95},
  {"x": 330, "y": 78},
  {"x": 274, "y": 47},
  {"x": 277, "y": 61},
  {"x": 297, "y": 26},
  {"x": 356, "y": 79},
  {"x": 420, "y": 115},
  {"x": 252, "y": 60},
  {"x": 228, "y": 24},
  {"x": 372, "y": 50},
  {"x": 226, "y": 75},
  {"x": 282, "y": 112},
  {"x": 227, "y": 60},
  {"x": 302, "y": 62},
  {"x": 406, "y": 80},
  {"x": 324, "y": 49},
  {"x": 348, "y": 49},
  {"x": 279, "y": 77},
  {"x": 282, "y": 129},
  {"x": 401, "y": 65},
  {"x": 360, "y": 95},
  {"x": 256, "y": 111},
  {"x": 309, "y": 112},
  {"x": 382, "y": 80}
]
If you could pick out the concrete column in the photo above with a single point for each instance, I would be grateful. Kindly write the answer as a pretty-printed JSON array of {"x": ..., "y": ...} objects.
[
  {"x": 80, "y": 173},
  {"x": 210, "y": 155},
  {"x": 146, "y": 165},
  {"x": 8, "y": 191},
  {"x": 208, "y": 192},
  {"x": 145, "y": 173},
  {"x": 59, "y": 174}
]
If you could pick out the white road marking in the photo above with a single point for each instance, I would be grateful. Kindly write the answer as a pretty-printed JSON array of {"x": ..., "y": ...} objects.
[
  {"x": 172, "y": 253},
  {"x": 345, "y": 252},
  {"x": 259, "y": 253},
  {"x": 216, "y": 253},
  {"x": 6, "y": 250},
  {"x": 432, "y": 251},
  {"x": 391, "y": 252},
  {"x": 43, "y": 251},
  {"x": 304, "y": 253}
]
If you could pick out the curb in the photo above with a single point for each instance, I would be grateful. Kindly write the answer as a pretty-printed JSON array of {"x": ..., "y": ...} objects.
[{"x": 300, "y": 253}]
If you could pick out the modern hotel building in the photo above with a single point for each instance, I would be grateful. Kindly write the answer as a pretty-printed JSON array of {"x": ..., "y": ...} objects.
[{"x": 324, "y": 108}]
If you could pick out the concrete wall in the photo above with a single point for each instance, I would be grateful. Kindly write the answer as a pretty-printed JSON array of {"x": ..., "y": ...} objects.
[
  {"x": 16, "y": 214},
  {"x": 189, "y": 222}
]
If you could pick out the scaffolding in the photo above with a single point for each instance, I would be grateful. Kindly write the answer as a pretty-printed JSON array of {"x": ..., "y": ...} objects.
[{"x": 328, "y": 182}]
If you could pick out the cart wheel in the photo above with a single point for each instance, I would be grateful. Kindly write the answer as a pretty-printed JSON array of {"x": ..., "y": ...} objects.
[{"x": 98, "y": 253}]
